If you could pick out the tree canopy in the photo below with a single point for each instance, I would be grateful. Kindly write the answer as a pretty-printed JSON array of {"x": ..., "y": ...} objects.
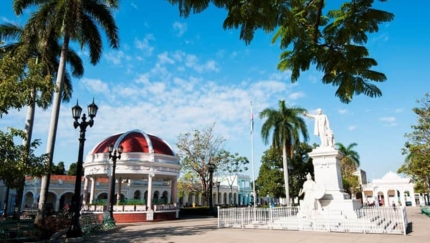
[
  {"x": 18, "y": 161},
  {"x": 270, "y": 179},
  {"x": 197, "y": 150},
  {"x": 285, "y": 126},
  {"x": 332, "y": 40},
  {"x": 417, "y": 147},
  {"x": 348, "y": 165}
]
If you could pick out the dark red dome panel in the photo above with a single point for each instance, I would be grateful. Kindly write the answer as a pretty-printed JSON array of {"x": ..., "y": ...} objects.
[{"x": 135, "y": 141}]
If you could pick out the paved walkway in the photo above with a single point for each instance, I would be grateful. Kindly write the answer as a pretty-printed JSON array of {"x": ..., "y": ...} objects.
[{"x": 206, "y": 231}]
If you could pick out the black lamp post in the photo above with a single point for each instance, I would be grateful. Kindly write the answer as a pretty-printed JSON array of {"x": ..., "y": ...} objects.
[
  {"x": 218, "y": 184},
  {"x": 211, "y": 168},
  {"x": 114, "y": 157},
  {"x": 75, "y": 230}
]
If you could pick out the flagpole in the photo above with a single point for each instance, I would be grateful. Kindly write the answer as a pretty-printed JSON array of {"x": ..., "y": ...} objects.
[{"x": 252, "y": 157}]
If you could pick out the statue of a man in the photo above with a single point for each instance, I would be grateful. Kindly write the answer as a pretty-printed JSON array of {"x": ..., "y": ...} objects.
[{"x": 321, "y": 127}]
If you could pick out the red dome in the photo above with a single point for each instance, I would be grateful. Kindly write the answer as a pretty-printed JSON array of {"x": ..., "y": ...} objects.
[{"x": 135, "y": 141}]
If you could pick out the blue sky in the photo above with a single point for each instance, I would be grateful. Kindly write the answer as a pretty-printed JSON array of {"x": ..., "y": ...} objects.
[{"x": 172, "y": 75}]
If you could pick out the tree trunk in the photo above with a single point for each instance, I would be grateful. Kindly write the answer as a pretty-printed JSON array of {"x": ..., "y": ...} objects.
[
  {"x": 285, "y": 165},
  {"x": 29, "y": 122},
  {"x": 50, "y": 145}
]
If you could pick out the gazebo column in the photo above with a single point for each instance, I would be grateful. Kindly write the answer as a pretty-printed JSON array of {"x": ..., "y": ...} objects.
[
  {"x": 85, "y": 196},
  {"x": 386, "y": 202},
  {"x": 413, "y": 196},
  {"x": 149, "y": 202},
  {"x": 118, "y": 195},
  {"x": 174, "y": 190},
  {"x": 93, "y": 188},
  {"x": 402, "y": 197}
]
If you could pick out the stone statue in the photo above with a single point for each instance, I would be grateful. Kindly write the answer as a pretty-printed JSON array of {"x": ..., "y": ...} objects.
[
  {"x": 330, "y": 138},
  {"x": 308, "y": 189},
  {"x": 322, "y": 128}
]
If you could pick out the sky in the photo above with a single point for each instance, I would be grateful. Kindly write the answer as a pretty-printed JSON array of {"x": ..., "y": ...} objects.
[{"x": 173, "y": 75}]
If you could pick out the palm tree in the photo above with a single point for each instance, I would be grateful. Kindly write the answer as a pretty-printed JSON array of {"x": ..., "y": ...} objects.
[
  {"x": 285, "y": 126},
  {"x": 74, "y": 20},
  {"x": 350, "y": 160},
  {"x": 43, "y": 47}
]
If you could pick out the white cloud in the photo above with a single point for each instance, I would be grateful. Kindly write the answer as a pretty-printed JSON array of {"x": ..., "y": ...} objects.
[
  {"x": 388, "y": 119},
  {"x": 342, "y": 111},
  {"x": 95, "y": 85},
  {"x": 115, "y": 57},
  {"x": 180, "y": 28},
  {"x": 164, "y": 58},
  {"x": 296, "y": 95},
  {"x": 144, "y": 44},
  {"x": 352, "y": 127},
  {"x": 192, "y": 62},
  {"x": 398, "y": 110}
]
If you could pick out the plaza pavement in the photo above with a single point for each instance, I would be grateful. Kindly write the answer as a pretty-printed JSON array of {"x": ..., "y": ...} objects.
[{"x": 206, "y": 231}]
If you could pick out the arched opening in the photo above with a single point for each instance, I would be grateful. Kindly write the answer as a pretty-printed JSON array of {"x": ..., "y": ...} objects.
[
  {"x": 136, "y": 194},
  {"x": 381, "y": 199},
  {"x": 28, "y": 201},
  {"x": 66, "y": 199},
  {"x": 164, "y": 197},
  {"x": 156, "y": 197}
]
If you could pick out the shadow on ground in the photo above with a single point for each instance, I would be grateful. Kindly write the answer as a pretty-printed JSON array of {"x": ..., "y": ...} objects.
[{"x": 159, "y": 232}]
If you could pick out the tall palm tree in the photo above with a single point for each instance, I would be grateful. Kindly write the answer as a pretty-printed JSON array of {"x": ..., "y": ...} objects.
[
  {"x": 285, "y": 126},
  {"x": 42, "y": 47},
  {"x": 74, "y": 20},
  {"x": 350, "y": 160}
]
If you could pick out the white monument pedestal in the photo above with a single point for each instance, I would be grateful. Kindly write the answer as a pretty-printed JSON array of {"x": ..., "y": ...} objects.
[{"x": 326, "y": 161}]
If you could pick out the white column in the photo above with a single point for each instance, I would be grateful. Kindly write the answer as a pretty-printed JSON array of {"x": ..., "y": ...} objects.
[
  {"x": 386, "y": 202},
  {"x": 174, "y": 190},
  {"x": 85, "y": 196},
  {"x": 402, "y": 197},
  {"x": 93, "y": 187},
  {"x": 149, "y": 202},
  {"x": 118, "y": 194},
  {"x": 57, "y": 205},
  {"x": 413, "y": 196}
]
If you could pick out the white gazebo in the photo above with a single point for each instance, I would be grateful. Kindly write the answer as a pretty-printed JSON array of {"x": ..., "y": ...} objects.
[
  {"x": 146, "y": 161},
  {"x": 391, "y": 189}
]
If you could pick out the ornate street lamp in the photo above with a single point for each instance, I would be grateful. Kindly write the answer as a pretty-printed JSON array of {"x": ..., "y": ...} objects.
[
  {"x": 75, "y": 230},
  {"x": 113, "y": 155},
  {"x": 211, "y": 168},
  {"x": 218, "y": 184}
]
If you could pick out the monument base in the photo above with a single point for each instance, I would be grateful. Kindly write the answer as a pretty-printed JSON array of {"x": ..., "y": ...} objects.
[{"x": 326, "y": 162}]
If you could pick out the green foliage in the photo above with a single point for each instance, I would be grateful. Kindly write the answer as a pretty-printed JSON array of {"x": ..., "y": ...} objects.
[
  {"x": 231, "y": 166},
  {"x": 285, "y": 125},
  {"x": 19, "y": 78},
  {"x": 332, "y": 40},
  {"x": 18, "y": 161},
  {"x": 58, "y": 169},
  {"x": 196, "y": 151},
  {"x": 417, "y": 147},
  {"x": 349, "y": 164},
  {"x": 270, "y": 179},
  {"x": 73, "y": 169},
  {"x": 350, "y": 160}
]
